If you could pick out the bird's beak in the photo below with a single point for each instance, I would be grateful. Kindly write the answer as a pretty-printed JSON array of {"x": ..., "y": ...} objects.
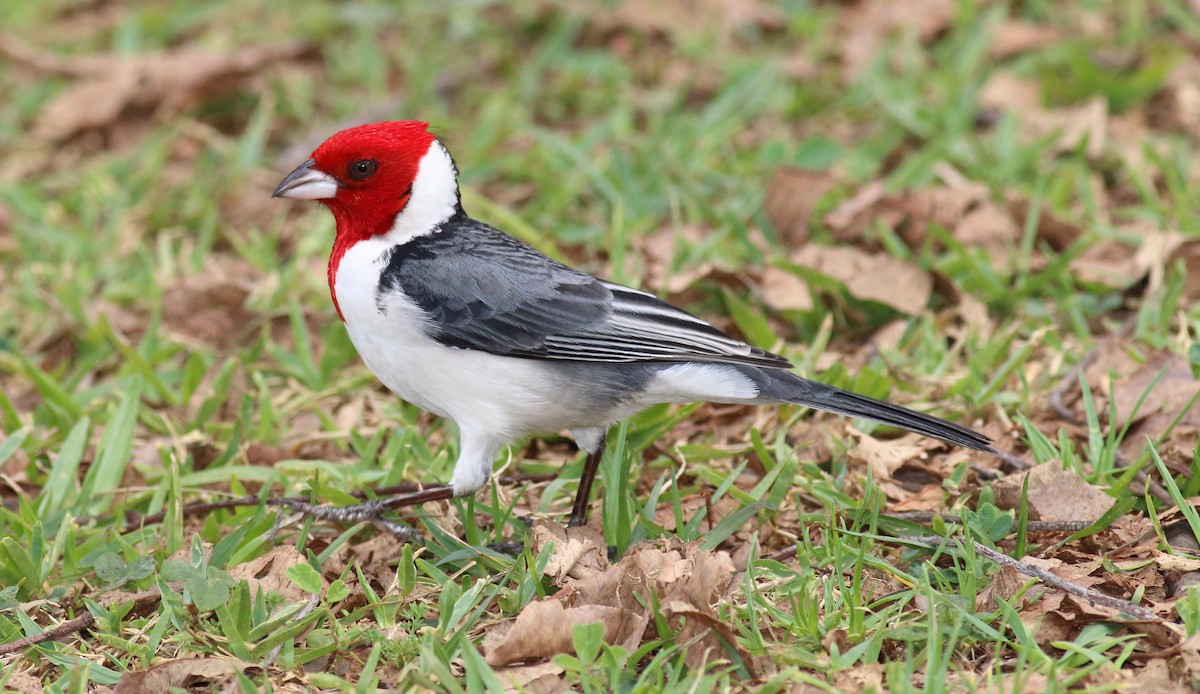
[{"x": 306, "y": 182}]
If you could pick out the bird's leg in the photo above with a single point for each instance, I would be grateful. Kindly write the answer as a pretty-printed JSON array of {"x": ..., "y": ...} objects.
[
  {"x": 371, "y": 511},
  {"x": 579, "y": 513}
]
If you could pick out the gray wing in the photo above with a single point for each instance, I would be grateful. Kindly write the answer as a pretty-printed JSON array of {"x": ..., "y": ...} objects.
[{"x": 486, "y": 290}]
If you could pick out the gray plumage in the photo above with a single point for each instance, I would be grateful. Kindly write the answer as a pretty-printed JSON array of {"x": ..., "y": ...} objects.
[{"x": 485, "y": 290}]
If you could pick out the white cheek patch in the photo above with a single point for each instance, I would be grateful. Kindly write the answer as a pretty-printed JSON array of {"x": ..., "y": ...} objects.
[{"x": 434, "y": 197}]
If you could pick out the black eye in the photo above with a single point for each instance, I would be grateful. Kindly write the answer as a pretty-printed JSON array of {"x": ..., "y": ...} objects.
[{"x": 363, "y": 169}]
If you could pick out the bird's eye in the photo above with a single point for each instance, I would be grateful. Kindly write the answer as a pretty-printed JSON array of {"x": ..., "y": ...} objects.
[{"x": 363, "y": 169}]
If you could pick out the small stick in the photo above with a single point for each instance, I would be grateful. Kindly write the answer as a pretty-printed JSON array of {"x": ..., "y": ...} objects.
[
  {"x": 925, "y": 517},
  {"x": 205, "y": 507},
  {"x": 71, "y": 626},
  {"x": 1094, "y": 597},
  {"x": 1069, "y": 382}
]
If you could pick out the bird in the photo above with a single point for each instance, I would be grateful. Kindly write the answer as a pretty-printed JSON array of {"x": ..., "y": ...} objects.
[{"x": 472, "y": 324}]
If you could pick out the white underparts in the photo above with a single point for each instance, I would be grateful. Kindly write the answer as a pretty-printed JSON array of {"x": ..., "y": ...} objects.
[{"x": 690, "y": 382}]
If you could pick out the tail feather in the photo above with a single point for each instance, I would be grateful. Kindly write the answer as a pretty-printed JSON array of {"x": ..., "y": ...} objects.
[{"x": 788, "y": 387}]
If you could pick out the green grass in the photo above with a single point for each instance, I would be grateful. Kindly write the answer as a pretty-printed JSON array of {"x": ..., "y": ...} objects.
[{"x": 586, "y": 140}]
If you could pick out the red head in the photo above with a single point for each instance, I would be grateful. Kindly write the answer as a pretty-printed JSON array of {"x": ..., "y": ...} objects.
[{"x": 365, "y": 176}]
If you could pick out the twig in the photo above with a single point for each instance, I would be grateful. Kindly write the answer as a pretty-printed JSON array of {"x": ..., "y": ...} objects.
[
  {"x": 201, "y": 508},
  {"x": 784, "y": 554},
  {"x": 84, "y": 621},
  {"x": 1012, "y": 460},
  {"x": 925, "y": 517},
  {"x": 71, "y": 626},
  {"x": 308, "y": 608},
  {"x": 1094, "y": 597},
  {"x": 1147, "y": 482},
  {"x": 984, "y": 472},
  {"x": 1069, "y": 382}
]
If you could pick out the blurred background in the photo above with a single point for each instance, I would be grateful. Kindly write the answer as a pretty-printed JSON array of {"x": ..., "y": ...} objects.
[{"x": 987, "y": 210}]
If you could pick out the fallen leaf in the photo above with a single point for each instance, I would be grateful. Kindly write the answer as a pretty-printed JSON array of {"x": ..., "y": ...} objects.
[
  {"x": 23, "y": 683},
  {"x": 1054, "y": 495},
  {"x": 1054, "y": 230},
  {"x": 866, "y": 26},
  {"x": 691, "y": 597},
  {"x": 853, "y": 208},
  {"x": 657, "y": 253},
  {"x": 680, "y": 19},
  {"x": 1003, "y": 586},
  {"x": 884, "y": 457},
  {"x": 578, "y": 552},
  {"x": 1013, "y": 37},
  {"x": 195, "y": 674},
  {"x": 268, "y": 572},
  {"x": 871, "y": 277},
  {"x": 1083, "y": 125},
  {"x": 791, "y": 199},
  {"x": 544, "y": 629},
  {"x": 784, "y": 291},
  {"x": 860, "y": 678},
  {"x": 1128, "y": 375},
  {"x": 111, "y": 88},
  {"x": 538, "y": 677},
  {"x": 211, "y": 307}
]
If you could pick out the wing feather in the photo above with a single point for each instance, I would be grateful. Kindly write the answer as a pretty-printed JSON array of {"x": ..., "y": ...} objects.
[{"x": 485, "y": 290}]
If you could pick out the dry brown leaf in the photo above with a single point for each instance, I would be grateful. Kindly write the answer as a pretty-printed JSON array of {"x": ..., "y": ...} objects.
[
  {"x": 851, "y": 210},
  {"x": 683, "y": 18},
  {"x": 544, "y": 629},
  {"x": 885, "y": 457},
  {"x": 1054, "y": 495},
  {"x": 1086, "y": 124},
  {"x": 945, "y": 206},
  {"x": 860, "y": 678},
  {"x": 784, "y": 291},
  {"x": 1003, "y": 586},
  {"x": 184, "y": 673},
  {"x": 867, "y": 25},
  {"x": 871, "y": 277},
  {"x": 792, "y": 197},
  {"x": 538, "y": 678},
  {"x": 1054, "y": 230},
  {"x": 677, "y": 574},
  {"x": 1155, "y": 677},
  {"x": 1178, "y": 105},
  {"x": 1186, "y": 253},
  {"x": 1158, "y": 250},
  {"x": 268, "y": 572},
  {"x": 578, "y": 552},
  {"x": 23, "y": 683},
  {"x": 377, "y": 557},
  {"x": 964, "y": 208},
  {"x": 1126, "y": 372},
  {"x": 1013, "y": 37},
  {"x": 211, "y": 307},
  {"x": 993, "y": 229},
  {"x": 112, "y": 88},
  {"x": 657, "y": 252},
  {"x": 691, "y": 597}
]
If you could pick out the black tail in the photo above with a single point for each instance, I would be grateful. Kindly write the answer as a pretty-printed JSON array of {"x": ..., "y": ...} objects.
[{"x": 788, "y": 387}]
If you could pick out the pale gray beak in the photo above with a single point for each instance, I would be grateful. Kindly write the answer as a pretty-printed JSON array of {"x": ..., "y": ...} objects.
[{"x": 306, "y": 183}]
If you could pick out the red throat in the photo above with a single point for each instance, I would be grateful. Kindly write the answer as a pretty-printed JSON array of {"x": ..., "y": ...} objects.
[{"x": 369, "y": 198}]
